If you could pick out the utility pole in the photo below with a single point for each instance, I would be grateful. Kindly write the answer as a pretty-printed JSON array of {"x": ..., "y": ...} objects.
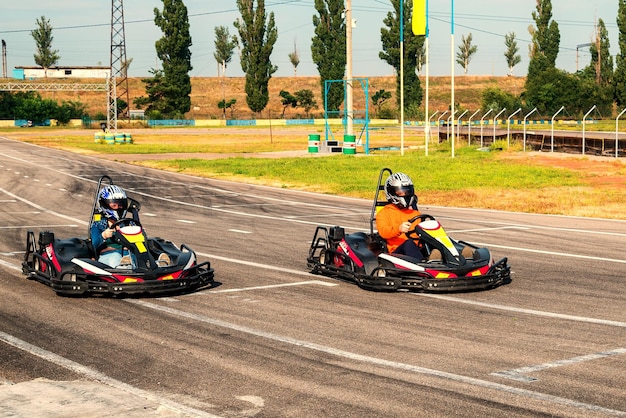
[
  {"x": 349, "y": 93},
  {"x": 577, "y": 48},
  {"x": 4, "y": 59},
  {"x": 118, "y": 82}
]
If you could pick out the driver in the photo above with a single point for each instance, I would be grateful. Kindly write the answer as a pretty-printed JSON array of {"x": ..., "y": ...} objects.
[
  {"x": 112, "y": 206},
  {"x": 392, "y": 222}
]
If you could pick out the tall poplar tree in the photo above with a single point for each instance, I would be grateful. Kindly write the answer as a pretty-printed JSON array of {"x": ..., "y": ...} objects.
[
  {"x": 258, "y": 34},
  {"x": 546, "y": 87},
  {"x": 328, "y": 49},
  {"x": 466, "y": 50},
  {"x": 413, "y": 51},
  {"x": 174, "y": 87},
  {"x": 224, "y": 47},
  {"x": 45, "y": 56},
  {"x": 511, "y": 55},
  {"x": 619, "y": 78},
  {"x": 597, "y": 77}
]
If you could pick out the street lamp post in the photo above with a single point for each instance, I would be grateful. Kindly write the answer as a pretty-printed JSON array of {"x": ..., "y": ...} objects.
[
  {"x": 458, "y": 126},
  {"x": 482, "y": 124},
  {"x": 526, "y": 117},
  {"x": 552, "y": 129},
  {"x": 427, "y": 134},
  {"x": 469, "y": 128},
  {"x": 495, "y": 119},
  {"x": 584, "y": 123},
  {"x": 508, "y": 127}
]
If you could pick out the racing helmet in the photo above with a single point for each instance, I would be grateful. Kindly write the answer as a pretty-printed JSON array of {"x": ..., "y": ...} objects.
[
  {"x": 112, "y": 194},
  {"x": 399, "y": 190}
]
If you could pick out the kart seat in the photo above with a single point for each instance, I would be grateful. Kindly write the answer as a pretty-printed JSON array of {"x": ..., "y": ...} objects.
[{"x": 377, "y": 244}]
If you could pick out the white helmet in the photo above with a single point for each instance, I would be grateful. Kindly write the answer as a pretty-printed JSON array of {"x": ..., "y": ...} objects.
[{"x": 399, "y": 190}]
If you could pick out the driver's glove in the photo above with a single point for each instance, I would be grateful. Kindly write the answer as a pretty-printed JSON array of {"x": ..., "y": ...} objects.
[
  {"x": 107, "y": 233},
  {"x": 405, "y": 227}
]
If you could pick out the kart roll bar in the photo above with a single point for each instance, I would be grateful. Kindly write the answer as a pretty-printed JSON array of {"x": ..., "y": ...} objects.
[{"x": 378, "y": 202}]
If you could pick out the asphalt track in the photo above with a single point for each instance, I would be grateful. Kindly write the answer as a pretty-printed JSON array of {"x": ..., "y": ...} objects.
[{"x": 272, "y": 340}]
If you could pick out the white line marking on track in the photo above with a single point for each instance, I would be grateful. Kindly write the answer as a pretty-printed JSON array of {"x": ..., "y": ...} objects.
[
  {"x": 253, "y": 264},
  {"x": 525, "y": 311},
  {"x": 99, "y": 377},
  {"x": 239, "y": 231},
  {"x": 519, "y": 374},
  {"x": 378, "y": 361},
  {"x": 39, "y": 226},
  {"x": 530, "y": 250},
  {"x": 524, "y": 228},
  {"x": 272, "y": 286},
  {"x": 549, "y": 228},
  {"x": 185, "y": 221},
  {"x": 10, "y": 265}
]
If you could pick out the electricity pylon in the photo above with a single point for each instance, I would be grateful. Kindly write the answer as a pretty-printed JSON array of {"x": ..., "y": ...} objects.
[{"x": 118, "y": 81}]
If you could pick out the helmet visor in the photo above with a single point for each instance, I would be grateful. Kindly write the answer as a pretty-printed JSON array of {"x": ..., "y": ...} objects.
[{"x": 404, "y": 191}]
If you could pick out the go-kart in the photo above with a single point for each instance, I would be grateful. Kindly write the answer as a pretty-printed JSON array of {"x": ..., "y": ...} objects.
[
  {"x": 447, "y": 265},
  {"x": 70, "y": 267}
]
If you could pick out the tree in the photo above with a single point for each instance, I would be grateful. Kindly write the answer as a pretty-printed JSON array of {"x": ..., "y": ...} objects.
[
  {"x": 301, "y": 98},
  {"x": 328, "y": 49},
  {"x": 306, "y": 100},
  {"x": 45, "y": 57},
  {"x": 224, "y": 47},
  {"x": 227, "y": 104},
  {"x": 466, "y": 50},
  {"x": 169, "y": 91},
  {"x": 598, "y": 75},
  {"x": 544, "y": 49},
  {"x": 156, "y": 104},
  {"x": 546, "y": 38},
  {"x": 379, "y": 99},
  {"x": 413, "y": 49},
  {"x": 619, "y": 79},
  {"x": 257, "y": 39},
  {"x": 287, "y": 100},
  {"x": 601, "y": 59},
  {"x": 294, "y": 59},
  {"x": 511, "y": 55}
]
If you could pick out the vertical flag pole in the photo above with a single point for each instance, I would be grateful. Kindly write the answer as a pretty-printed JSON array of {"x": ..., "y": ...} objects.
[
  {"x": 452, "y": 109},
  {"x": 401, "y": 77},
  {"x": 419, "y": 24},
  {"x": 426, "y": 54},
  {"x": 349, "y": 91}
]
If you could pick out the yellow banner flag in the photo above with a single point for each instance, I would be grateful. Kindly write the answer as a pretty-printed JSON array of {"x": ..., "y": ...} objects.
[{"x": 418, "y": 20}]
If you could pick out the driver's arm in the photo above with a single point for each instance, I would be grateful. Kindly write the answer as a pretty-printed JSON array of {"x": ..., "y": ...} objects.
[{"x": 388, "y": 224}]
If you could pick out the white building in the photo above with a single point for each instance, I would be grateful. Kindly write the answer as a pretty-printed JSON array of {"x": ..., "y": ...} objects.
[{"x": 29, "y": 73}]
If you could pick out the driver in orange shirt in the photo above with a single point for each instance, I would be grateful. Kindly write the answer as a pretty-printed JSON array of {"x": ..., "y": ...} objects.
[{"x": 392, "y": 222}]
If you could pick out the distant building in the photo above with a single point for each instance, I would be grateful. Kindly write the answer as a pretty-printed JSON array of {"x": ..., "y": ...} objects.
[{"x": 29, "y": 73}]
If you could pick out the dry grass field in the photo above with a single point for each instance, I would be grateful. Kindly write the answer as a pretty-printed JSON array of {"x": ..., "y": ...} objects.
[{"x": 208, "y": 91}]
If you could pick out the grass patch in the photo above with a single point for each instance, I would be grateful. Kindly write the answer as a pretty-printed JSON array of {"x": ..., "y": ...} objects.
[
  {"x": 502, "y": 178},
  {"x": 347, "y": 175}
]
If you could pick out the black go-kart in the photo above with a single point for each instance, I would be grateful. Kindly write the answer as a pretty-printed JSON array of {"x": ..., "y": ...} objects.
[
  {"x": 70, "y": 267},
  {"x": 447, "y": 266}
]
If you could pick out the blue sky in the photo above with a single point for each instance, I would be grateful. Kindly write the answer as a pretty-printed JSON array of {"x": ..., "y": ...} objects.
[{"x": 81, "y": 30}]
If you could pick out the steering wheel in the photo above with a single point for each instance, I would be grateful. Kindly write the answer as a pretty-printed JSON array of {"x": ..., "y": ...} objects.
[
  {"x": 423, "y": 217},
  {"x": 125, "y": 222},
  {"x": 413, "y": 233},
  {"x": 120, "y": 224}
]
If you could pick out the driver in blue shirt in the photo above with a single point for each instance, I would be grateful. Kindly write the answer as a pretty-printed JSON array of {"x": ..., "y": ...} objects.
[{"x": 113, "y": 206}]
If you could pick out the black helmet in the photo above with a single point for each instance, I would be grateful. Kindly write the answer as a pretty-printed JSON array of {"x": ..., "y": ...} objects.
[
  {"x": 399, "y": 190},
  {"x": 112, "y": 194}
]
